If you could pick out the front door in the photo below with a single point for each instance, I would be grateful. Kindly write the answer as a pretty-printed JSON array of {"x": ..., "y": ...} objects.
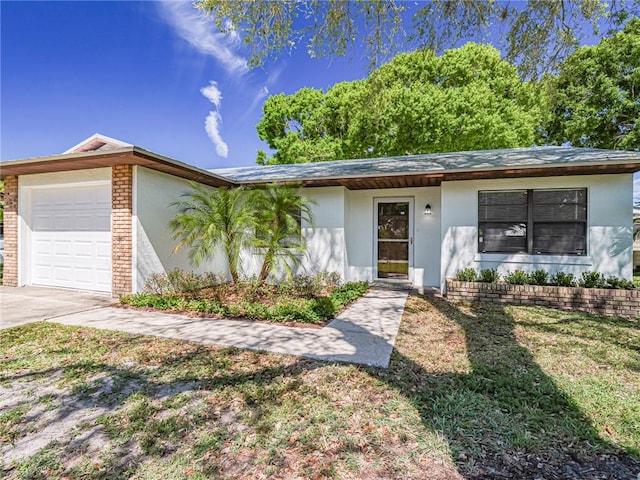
[{"x": 394, "y": 238}]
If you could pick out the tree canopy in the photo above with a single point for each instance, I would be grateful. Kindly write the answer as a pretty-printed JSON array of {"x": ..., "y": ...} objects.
[
  {"x": 537, "y": 35},
  {"x": 595, "y": 99},
  {"x": 467, "y": 99}
]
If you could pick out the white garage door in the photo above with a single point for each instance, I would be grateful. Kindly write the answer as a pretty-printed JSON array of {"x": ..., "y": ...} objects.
[{"x": 71, "y": 237}]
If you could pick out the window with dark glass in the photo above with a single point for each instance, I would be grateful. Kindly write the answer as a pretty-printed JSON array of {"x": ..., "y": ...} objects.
[{"x": 533, "y": 221}]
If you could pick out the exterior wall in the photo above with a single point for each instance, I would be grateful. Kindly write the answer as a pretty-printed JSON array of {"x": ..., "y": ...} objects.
[
  {"x": 609, "y": 237},
  {"x": 153, "y": 194},
  {"x": 359, "y": 233},
  {"x": 325, "y": 241},
  {"x": 622, "y": 303},
  {"x": 121, "y": 229},
  {"x": 10, "y": 275},
  {"x": 26, "y": 184}
]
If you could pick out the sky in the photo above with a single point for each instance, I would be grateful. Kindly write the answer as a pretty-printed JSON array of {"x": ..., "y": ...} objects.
[{"x": 154, "y": 74}]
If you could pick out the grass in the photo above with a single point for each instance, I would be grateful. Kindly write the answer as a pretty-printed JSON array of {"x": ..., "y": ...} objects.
[{"x": 480, "y": 391}]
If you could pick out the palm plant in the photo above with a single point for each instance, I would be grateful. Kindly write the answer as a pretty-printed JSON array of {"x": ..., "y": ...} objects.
[
  {"x": 209, "y": 218},
  {"x": 280, "y": 211}
]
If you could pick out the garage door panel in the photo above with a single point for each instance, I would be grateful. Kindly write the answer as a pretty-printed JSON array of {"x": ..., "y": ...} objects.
[{"x": 71, "y": 237}]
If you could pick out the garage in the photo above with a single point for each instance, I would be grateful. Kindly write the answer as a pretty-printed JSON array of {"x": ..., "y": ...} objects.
[{"x": 70, "y": 230}]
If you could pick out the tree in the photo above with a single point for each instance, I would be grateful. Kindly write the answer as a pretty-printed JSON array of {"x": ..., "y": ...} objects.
[
  {"x": 467, "y": 99},
  {"x": 280, "y": 211},
  {"x": 209, "y": 218},
  {"x": 537, "y": 34},
  {"x": 596, "y": 96}
]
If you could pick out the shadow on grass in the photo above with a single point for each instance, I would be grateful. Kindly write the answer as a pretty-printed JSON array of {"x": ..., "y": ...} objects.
[
  {"x": 506, "y": 418},
  {"x": 502, "y": 416}
]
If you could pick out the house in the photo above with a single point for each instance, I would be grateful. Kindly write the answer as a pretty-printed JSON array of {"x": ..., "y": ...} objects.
[
  {"x": 95, "y": 217},
  {"x": 636, "y": 242}
]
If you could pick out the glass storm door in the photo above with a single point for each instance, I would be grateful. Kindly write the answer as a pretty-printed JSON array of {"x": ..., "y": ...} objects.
[{"x": 394, "y": 238}]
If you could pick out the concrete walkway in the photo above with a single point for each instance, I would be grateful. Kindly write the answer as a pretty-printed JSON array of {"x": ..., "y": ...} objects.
[{"x": 364, "y": 333}]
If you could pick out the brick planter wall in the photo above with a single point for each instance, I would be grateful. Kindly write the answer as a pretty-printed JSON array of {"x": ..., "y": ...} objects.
[
  {"x": 10, "y": 275},
  {"x": 621, "y": 303},
  {"x": 121, "y": 229}
]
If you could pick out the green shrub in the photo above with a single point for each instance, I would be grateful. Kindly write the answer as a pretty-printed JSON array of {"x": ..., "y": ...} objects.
[
  {"x": 467, "y": 275},
  {"x": 538, "y": 277},
  {"x": 592, "y": 280},
  {"x": 620, "y": 283},
  {"x": 517, "y": 277},
  {"x": 561, "y": 279},
  {"x": 489, "y": 275},
  {"x": 1, "y": 271},
  {"x": 349, "y": 292},
  {"x": 179, "y": 281}
]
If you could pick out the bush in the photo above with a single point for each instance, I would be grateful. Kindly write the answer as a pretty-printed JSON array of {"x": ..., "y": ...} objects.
[
  {"x": 179, "y": 281},
  {"x": 489, "y": 275},
  {"x": 592, "y": 280},
  {"x": 467, "y": 275},
  {"x": 615, "y": 282},
  {"x": 562, "y": 279},
  {"x": 517, "y": 277},
  {"x": 538, "y": 277}
]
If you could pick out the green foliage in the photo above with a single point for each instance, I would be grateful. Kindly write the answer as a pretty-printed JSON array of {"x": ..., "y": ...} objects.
[
  {"x": 489, "y": 275},
  {"x": 179, "y": 281},
  {"x": 537, "y": 34},
  {"x": 596, "y": 98},
  {"x": 592, "y": 280},
  {"x": 562, "y": 279},
  {"x": 619, "y": 283},
  {"x": 211, "y": 218},
  {"x": 467, "y": 99},
  {"x": 467, "y": 275},
  {"x": 538, "y": 277},
  {"x": 279, "y": 212},
  {"x": 517, "y": 277},
  {"x": 310, "y": 299}
]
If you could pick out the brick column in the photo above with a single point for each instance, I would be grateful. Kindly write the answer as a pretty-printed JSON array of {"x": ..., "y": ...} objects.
[
  {"x": 121, "y": 235},
  {"x": 10, "y": 276}
]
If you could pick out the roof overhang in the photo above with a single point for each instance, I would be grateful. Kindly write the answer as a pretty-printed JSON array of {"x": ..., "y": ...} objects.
[
  {"x": 432, "y": 179},
  {"x": 121, "y": 156}
]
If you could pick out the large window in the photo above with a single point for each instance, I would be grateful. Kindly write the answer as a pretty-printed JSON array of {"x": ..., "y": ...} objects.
[{"x": 533, "y": 221}]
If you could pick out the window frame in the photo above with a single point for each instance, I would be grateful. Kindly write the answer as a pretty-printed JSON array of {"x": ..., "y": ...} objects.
[{"x": 531, "y": 223}]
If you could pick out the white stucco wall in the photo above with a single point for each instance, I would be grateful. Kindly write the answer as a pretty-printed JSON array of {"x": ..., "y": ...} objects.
[
  {"x": 360, "y": 231},
  {"x": 153, "y": 194},
  {"x": 609, "y": 237},
  {"x": 26, "y": 184},
  {"x": 325, "y": 241}
]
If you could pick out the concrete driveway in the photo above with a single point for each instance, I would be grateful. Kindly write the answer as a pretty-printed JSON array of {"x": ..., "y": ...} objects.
[{"x": 22, "y": 305}]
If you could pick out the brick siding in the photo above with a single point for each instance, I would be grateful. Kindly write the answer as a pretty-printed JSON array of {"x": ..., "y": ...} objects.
[
  {"x": 121, "y": 229},
  {"x": 621, "y": 303},
  {"x": 10, "y": 275}
]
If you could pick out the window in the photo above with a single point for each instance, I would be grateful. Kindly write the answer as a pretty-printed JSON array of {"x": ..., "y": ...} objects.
[{"x": 533, "y": 221}]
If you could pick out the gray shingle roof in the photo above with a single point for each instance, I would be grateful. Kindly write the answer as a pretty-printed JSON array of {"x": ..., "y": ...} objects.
[{"x": 430, "y": 163}]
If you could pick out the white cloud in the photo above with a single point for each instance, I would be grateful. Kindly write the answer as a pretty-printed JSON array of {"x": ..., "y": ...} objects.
[
  {"x": 212, "y": 126},
  {"x": 213, "y": 93},
  {"x": 196, "y": 28},
  {"x": 214, "y": 119}
]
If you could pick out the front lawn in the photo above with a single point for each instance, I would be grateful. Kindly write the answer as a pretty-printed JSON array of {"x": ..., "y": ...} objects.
[{"x": 486, "y": 391}]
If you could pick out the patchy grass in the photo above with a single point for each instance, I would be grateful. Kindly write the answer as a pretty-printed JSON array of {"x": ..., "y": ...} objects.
[{"x": 481, "y": 391}]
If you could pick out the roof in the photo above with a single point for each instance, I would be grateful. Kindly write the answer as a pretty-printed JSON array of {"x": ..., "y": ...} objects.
[
  {"x": 421, "y": 170},
  {"x": 97, "y": 141},
  {"x": 98, "y": 158},
  {"x": 389, "y": 172}
]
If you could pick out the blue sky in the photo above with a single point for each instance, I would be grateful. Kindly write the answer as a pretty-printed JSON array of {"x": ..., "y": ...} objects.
[{"x": 155, "y": 74}]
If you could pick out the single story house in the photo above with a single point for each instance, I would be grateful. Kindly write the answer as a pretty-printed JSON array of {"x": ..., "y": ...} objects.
[{"x": 95, "y": 217}]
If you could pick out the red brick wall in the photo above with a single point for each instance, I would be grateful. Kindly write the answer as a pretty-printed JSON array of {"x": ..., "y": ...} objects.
[
  {"x": 121, "y": 229},
  {"x": 621, "y": 303},
  {"x": 10, "y": 276}
]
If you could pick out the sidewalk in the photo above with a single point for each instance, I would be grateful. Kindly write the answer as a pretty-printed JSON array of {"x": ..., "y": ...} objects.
[{"x": 364, "y": 333}]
